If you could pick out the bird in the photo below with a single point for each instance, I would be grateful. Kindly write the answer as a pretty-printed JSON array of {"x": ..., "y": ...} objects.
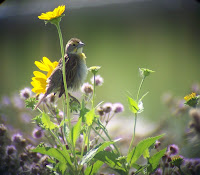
[{"x": 75, "y": 70}]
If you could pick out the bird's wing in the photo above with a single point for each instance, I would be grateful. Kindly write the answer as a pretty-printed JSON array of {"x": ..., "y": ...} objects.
[
  {"x": 70, "y": 71},
  {"x": 55, "y": 80}
]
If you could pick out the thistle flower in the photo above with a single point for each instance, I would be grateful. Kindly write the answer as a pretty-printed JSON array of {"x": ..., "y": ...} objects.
[
  {"x": 17, "y": 138},
  {"x": 118, "y": 107},
  {"x": 98, "y": 80},
  {"x": 37, "y": 133},
  {"x": 177, "y": 160},
  {"x": 25, "y": 93},
  {"x": 57, "y": 12},
  {"x": 87, "y": 88},
  {"x": 3, "y": 129},
  {"x": 173, "y": 149},
  {"x": 10, "y": 150},
  {"x": 191, "y": 99},
  {"x": 157, "y": 144},
  {"x": 100, "y": 111},
  {"x": 39, "y": 82},
  {"x": 107, "y": 107},
  {"x": 51, "y": 98}
]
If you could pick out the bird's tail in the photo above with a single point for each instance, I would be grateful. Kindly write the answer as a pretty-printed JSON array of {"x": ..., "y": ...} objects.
[{"x": 40, "y": 101}]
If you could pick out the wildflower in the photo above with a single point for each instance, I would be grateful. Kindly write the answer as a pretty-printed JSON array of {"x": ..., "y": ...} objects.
[
  {"x": 191, "y": 99},
  {"x": 57, "y": 12},
  {"x": 39, "y": 82},
  {"x": 87, "y": 88},
  {"x": 25, "y": 117},
  {"x": 100, "y": 111},
  {"x": 10, "y": 150},
  {"x": 94, "y": 69},
  {"x": 177, "y": 160},
  {"x": 158, "y": 171},
  {"x": 6, "y": 101},
  {"x": 157, "y": 144},
  {"x": 17, "y": 138},
  {"x": 145, "y": 72},
  {"x": 3, "y": 129},
  {"x": 107, "y": 107},
  {"x": 173, "y": 149},
  {"x": 18, "y": 102},
  {"x": 37, "y": 133},
  {"x": 118, "y": 107},
  {"x": 51, "y": 98},
  {"x": 98, "y": 80},
  {"x": 25, "y": 93}
]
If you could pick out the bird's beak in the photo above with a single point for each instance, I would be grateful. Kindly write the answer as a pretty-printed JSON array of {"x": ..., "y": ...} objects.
[{"x": 80, "y": 44}]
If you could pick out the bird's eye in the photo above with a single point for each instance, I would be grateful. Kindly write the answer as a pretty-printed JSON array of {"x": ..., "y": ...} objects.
[{"x": 74, "y": 44}]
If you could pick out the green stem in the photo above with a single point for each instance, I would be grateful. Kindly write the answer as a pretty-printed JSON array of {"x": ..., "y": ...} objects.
[
  {"x": 66, "y": 94},
  {"x": 93, "y": 97},
  {"x": 58, "y": 140},
  {"x": 140, "y": 88},
  {"x": 138, "y": 93},
  {"x": 118, "y": 152},
  {"x": 131, "y": 144}
]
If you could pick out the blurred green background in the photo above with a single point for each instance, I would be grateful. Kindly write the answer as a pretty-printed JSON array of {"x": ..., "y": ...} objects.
[{"x": 120, "y": 36}]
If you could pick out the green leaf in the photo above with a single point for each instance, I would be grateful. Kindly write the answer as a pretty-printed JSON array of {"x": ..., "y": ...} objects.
[
  {"x": 62, "y": 167},
  {"x": 135, "y": 154},
  {"x": 76, "y": 131},
  {"x": 133, "y": 105},
  {"x": 94, "y": 151},
  {"x": 92, "y": 169},
  {"x": 141, "y": 168},
  {"x": 155, "y": 159},
  {"x": 60, "y": 155},
  {"x": 83, "y": 111},
  {"x": 110, "y": 158},
  {"x": 47, "y": 123},
  {"x": 89, "y": 116},
  {"x": 146, "y": 154},
  {"x": 30, "y": 102}
]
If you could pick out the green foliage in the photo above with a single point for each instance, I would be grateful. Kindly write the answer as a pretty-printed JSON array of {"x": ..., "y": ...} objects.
[
  {"x": 94, "y": 168},
  {"x": 110, "y": 158},
  {"x": 76, "y": 131},
  {"x": 89, "y": 116},
  {"x": 61, "y": 155},
  {"x": 155, "y": 159},
  {"x": 141, "y": 147},
  {"x": 133, "y": 105},
  {"x": 47, "y": 123},
  {"x": 145, "y": 72},
  {"x": 94, "y": 151},
  {"x": 30, "y": 102}
]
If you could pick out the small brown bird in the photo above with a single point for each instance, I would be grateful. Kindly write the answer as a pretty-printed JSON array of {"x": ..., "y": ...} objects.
[{"x": 75, "y": 69}]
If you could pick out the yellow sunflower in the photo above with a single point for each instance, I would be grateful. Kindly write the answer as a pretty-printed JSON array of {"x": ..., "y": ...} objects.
[
  {"x": 39, "y": 81},
  {"x": 57, "y": 12}
]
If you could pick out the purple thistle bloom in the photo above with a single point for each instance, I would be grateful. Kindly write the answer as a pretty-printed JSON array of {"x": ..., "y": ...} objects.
[
  {"x": 107, "y": 107},
  {"x": 37, "y": 133},
  {"x": 87, "y": 88},
  {"x": 6, "y": 101},
  {"x": 17, "y": 138},
  {"x": 158, "y": 172},
  {"x": 25, "y": 93},
  {"x": 10, "y": 150},
  {"x": 173, "y": 149},
  {"x": 118, "y": 107},
  {"x": 18, "y": 102},
  {"x": 25, "y": 117},
  {"x": 3, "y": 129},
  {"x": 98, "y": 80}
]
